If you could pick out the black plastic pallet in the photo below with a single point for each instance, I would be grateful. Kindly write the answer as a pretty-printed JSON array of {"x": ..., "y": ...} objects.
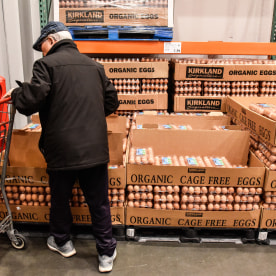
[
  {"x": 194, "y": 235},
  {"x": 115, "y": 33},
  {"x": 82, "y": 231},
  {"x": 266, "y": 236}
]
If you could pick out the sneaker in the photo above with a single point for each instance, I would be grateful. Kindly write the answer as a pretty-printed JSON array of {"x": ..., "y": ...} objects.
[
  {"x": 106, "y": 263},
  {"x": 66, "y": 250}
]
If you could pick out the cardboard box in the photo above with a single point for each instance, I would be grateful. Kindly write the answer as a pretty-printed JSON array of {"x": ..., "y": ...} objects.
[
  {"x": 270, "y": 181},
  {"x": 200, "y": 219},
  {"x": 199, "y": 103},
  {"x": 238, "y": 108},
  {"x": 143, "y": 101},
  {"x": 121, "y": 15},
  {"x": 268, "y": 219},
  {"x": 24, "y": 151},
  {"x": 232, "y": 144},
  {"x": 196, "y": 122},
  {"x": 29, "y": 176},
  {"x": 41, "y": 214},
  {"x": 216, "y": 72},
  {"x": 159, "y": 69}
]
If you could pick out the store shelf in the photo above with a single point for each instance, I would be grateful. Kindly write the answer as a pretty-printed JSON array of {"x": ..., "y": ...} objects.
[{"x": 190, "y": 48}]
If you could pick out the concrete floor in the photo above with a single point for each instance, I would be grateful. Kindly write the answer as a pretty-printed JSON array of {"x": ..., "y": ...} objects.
[{"x": 136, "y": 258}]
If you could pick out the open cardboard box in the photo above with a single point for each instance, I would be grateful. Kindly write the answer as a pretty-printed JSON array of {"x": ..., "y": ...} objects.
[
  {"x": 26, "y": 175},
  {"x": 232, "y": 144},
  {"x": 264, "y": 127},
  {"x": 196, "y": 122}
]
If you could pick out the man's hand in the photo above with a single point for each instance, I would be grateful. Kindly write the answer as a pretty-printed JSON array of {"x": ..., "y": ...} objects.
[{"x": 8, "y": 94}]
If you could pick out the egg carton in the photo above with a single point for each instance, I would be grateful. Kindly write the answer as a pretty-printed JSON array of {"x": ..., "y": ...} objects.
[
  {"x": 194, "y": 190},
  {"x": 193, "y": 207},
  {"x": 166, "y": 206},
  {"x": 138, "y": 188},
  {"x": 140, "y": 203}
]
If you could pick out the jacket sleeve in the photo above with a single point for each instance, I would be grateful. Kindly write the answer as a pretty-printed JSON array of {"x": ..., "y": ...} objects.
[
  {"x": 111, "y": 102},
  {"x": 30, "y": 97}
]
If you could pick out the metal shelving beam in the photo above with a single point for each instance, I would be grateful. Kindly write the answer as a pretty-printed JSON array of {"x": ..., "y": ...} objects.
[
  {"x": 191, "y": 48},
  {"x": 44, "y": 11}
]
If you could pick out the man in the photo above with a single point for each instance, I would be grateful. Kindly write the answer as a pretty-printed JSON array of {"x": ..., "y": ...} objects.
[{"x": 73, "y": 96}]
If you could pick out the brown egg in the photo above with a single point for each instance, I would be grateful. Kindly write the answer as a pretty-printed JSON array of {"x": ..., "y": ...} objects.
[
  {"x": 184, "y": 189},
  {"x": 243, "y": 207},
  {"x": 156, "y": 189},
  {"x": 47, "y": 190},
  {"x": 41, "y": 190},
  {"x": 197, "y": 190},
  {"x": 130, "y": 204},
  {"x": 34, "y": 190},
  {"x": 130, "y": 188},
  {"x": 14, "y": 189},
  {"x": 237, "y": 198},
  {"x": 48, "y": 198},
  {"x": 21, "y": 189},
  {"x": 211, "y": 198},
  {"x": 149, "y": 188},
  {"x": 15, "y": 196},
  {"x": 239, "y": 190},
  {"x": 231, "y": 190},
  {"x": 211, "y": 189},
  {"x": 183, "y": 206},
  {"x": 236, "y": 207},
  {"x": 210, "y": 206},
  {"x": 22, "y": 197},
  {"x": 217, "y": 198}
]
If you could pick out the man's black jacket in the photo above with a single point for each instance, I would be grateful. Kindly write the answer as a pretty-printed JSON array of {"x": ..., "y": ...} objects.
[{"x": 73, "y": 96}]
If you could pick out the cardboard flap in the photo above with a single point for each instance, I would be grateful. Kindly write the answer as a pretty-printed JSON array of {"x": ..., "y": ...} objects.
[
  {"x": 24, "y": 151},
  {"x": 115, "y": 143},
  {"x": 196, "y": 122}
]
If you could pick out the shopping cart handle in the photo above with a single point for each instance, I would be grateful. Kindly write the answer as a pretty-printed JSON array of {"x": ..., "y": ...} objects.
[{"x": 5, "y": 100}]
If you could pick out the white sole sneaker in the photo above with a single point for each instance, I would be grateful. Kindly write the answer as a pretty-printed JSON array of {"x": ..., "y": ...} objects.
[
  {"x": 66, "y": 250},
  {"x": 109, "y": 262}
]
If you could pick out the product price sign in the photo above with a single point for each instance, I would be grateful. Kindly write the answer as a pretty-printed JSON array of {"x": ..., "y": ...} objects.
[{"x": 172, "y": 47}]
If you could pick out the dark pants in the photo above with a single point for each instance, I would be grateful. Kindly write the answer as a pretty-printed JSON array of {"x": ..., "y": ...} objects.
[{"x": 94, "y": 184}]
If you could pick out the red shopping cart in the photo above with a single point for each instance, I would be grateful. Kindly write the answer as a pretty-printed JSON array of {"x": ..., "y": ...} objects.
[{"x": 7, "y": 113}]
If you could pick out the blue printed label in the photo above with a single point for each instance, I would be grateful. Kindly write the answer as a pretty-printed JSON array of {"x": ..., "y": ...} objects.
[
  {"x": 141, "y": 152},
  {"x": 192, "y": 161},
  {"x": 139, "y": 127},
  {"x": 166, "y": 161},
  {"x": 182, "y": 127},
  {"x": 167, "y": 126},
  {"x": 218, "y": 162}
]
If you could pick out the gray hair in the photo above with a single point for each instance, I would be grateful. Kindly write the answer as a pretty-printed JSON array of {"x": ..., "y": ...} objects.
[{"x": 61, "y": 35}]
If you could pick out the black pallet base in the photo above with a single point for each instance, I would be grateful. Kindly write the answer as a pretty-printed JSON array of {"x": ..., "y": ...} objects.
[
  {"x": 194, "y": 235},
  {"x": 114, "y": 33},
  {"x": 82, "y": 231}
]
